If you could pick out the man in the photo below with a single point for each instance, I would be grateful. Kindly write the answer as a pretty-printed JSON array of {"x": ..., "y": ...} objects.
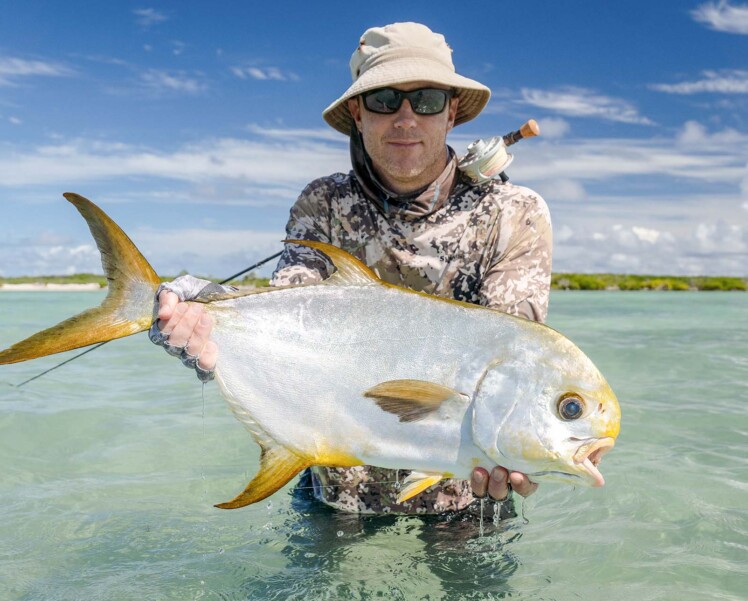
[{"x": 408, "y": 212}]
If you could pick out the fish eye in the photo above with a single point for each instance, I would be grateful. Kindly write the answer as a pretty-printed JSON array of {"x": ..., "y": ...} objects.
[{"x": 570, "y": 406}]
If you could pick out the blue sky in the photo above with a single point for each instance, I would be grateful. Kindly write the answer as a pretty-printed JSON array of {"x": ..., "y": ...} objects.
[{"x": 196, "y": 124}]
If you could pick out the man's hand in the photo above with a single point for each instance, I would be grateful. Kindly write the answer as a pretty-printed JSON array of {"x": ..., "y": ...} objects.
[
  {"x": 187, "y": 325},
  {"x": 497, "y": 485}
]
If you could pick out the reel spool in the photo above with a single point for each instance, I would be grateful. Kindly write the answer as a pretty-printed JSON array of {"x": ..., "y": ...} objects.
[{"x": 486, "y": 159}]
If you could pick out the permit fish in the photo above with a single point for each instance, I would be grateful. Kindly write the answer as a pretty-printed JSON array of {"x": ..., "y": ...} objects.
[{"x": 355, "y": 371}]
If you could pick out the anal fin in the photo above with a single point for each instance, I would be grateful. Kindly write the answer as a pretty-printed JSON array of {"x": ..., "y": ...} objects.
[
  {"x": 417, "y": 482},
  {"x": 277, "y": 466}
]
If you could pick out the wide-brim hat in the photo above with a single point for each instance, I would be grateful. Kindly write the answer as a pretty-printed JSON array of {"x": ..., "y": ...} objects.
[{"x": 405, "y": 53}]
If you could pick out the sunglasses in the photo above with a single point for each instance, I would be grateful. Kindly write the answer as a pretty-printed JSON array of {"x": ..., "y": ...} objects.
[{"x": 425, "y": 101}]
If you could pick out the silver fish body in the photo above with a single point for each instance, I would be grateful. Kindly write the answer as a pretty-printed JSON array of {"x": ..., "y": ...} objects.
[{"x": 354, "y": 371}]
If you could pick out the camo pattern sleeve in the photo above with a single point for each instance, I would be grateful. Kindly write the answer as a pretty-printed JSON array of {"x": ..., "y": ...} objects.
[
  {"x": 518, "y": 278},
  {"x": 309, "y": 220}
]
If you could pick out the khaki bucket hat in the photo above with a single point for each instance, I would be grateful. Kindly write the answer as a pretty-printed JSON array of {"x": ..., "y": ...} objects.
[{"x": 403, "y": 53}]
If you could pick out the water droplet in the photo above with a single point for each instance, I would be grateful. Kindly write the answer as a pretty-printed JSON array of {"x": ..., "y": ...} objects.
[{"x": 340, "y": 533}]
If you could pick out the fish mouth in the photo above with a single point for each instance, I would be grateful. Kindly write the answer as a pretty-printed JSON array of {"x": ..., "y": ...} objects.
[{"x": 588, "y": 457}]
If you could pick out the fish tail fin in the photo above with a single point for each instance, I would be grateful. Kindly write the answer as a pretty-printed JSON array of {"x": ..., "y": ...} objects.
[
  {"x": 277, "y": 466},
  {"x": 127, "y": 309}
]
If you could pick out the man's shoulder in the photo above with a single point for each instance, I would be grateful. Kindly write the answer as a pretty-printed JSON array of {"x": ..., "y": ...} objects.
[
  {"x": 330, "y": 182},
  {"x": 505, "y": 194}
]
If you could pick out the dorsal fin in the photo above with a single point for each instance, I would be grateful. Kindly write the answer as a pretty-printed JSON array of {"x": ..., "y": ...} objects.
[{"x": 350, "y": 271}]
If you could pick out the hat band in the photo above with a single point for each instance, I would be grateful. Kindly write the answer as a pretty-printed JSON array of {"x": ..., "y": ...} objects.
[{"x": 397, "y": 53}]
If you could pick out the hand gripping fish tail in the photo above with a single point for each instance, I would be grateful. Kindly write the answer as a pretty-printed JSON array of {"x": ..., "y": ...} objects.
[{"x": 355, "y": 371}]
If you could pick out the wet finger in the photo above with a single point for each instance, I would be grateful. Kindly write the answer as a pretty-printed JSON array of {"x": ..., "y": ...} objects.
[
  {"x": 183, "y": 330},
  {"x": 167, "y": 326},
  {"x": 498, "y": 484},
  {"x": 200, "y": 335},
  {"x": 167, "y": 301},
  {"x": 479, "y": 482},
  {"x": 208, "y": 356},
  {"x": 522, "y": 484}
]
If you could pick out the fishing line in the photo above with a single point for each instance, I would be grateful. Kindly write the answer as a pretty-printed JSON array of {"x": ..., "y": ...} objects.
[{"x": 100, "y": 344}]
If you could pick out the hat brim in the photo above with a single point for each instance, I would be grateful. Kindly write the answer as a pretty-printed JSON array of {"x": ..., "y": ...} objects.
[{"x": 473, "y": 95}]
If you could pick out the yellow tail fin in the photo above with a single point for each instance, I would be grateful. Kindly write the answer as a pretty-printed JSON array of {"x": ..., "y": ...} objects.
[{"x": 127, "y": 309}]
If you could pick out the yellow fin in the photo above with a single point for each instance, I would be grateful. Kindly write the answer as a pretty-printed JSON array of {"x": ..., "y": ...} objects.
[
  {"x": 411, "y": 400},
  {"x": 127, "y": 309},
  {"x": 416, "y": 483},
  {"x": 277, "y": 466},
  {"x": 350, "y": 271}
]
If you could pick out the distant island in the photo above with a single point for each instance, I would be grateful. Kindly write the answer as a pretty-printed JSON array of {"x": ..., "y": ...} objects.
[{"x": 559, "y": 281}]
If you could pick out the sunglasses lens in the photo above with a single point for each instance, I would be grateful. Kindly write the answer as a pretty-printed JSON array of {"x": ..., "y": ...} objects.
[
  {"x": 385, "y": 100},
  {"x": 426, "y": 101}
]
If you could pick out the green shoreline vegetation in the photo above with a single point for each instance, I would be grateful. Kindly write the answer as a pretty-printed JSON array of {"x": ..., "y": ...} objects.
[{"x": 559, "y": 281}]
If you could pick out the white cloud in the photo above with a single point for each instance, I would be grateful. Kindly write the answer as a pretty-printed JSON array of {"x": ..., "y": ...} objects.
[
  {"x": 148, "y": 16},
  {"x": 581, "y": 102},
  {"x": 46, "y": 259},
  {"x": 15, "y": 120},
  {"x": 221, "y": 252},
  {"x": 646, "y": 234},
  {"x": 14, "y": 68},
  {"x": 723, "y": 16},
  {"x": 567, "y": 189},
  {"x": 694, "y": 133},
  {"x": 288, "y": 163},
  {"x": 177, "y": 47},
  {"x": 553, "y": 127},
  {"x": 160, "y": 81},
  {"x": 611, "y": 199},
  {"x": 709, "y": 248},
  {"x": 692, "y": 154},
  {"x": 727, "y": 81},
  {"x": 320, "y": 133},
  {"x": 264, "y": 74}
]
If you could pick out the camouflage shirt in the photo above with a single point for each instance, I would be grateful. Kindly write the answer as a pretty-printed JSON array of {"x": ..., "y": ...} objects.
[{"x": 488, "y": 244}]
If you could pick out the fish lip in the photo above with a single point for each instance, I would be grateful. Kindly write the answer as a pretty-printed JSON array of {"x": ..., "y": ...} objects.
[{"x": 589, "y": 454}]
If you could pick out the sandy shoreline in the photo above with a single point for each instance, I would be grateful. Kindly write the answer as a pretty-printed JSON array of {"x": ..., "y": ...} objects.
[{"x": 39, "y": 287}]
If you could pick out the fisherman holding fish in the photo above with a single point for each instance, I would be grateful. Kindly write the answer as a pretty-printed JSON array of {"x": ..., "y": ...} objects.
[{"x": 409, "y": 212}]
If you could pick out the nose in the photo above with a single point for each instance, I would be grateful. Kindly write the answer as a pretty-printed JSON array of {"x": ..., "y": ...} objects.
[{"x": 405, "y": 117}]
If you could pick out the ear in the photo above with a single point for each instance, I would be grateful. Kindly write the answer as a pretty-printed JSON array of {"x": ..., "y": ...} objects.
[
  {"x": 453, "y": 104},
  {"x": 355, "y": 109}
]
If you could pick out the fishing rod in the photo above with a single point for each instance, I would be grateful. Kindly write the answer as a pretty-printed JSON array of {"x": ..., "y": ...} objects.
[
  {"x": 100, "y": 344},
  {"x": 485, "y": 160}
]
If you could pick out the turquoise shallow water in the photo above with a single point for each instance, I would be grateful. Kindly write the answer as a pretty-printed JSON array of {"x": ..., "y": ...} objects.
[{"x": 110, "y": 466}]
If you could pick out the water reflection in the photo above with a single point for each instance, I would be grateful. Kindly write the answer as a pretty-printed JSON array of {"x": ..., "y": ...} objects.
[{"x": 333, "y": 555}]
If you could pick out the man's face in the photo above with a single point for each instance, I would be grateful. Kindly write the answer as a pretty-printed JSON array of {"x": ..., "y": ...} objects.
[{"x": 408, "y": 151}]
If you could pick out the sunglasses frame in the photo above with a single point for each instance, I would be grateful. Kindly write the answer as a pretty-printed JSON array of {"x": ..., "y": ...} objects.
[{"x": 410, "y": 95}]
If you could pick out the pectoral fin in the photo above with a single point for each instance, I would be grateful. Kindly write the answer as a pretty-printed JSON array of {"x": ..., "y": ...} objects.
[
  {"x": 411, "y": 400},
  {"x": 277, "y": 466},
  {"x": 416, "y": 483}
]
